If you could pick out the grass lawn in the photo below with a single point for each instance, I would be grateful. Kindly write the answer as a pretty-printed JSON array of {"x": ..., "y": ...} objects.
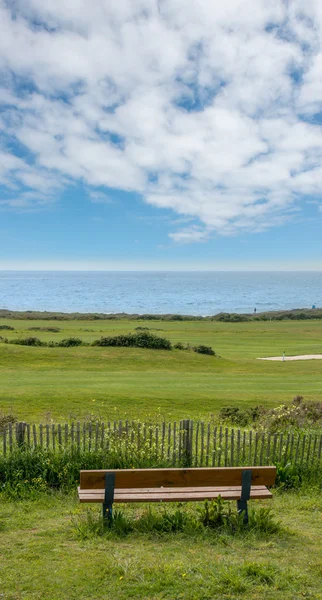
[
  {"x": 64, "y": 383},
  {"x": 43, "y": 555}
]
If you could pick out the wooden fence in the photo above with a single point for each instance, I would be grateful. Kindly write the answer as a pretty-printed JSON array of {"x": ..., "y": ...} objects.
[{"x": 187, "y": 442}]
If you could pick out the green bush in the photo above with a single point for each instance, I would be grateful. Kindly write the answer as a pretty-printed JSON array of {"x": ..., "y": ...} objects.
[
  {"x": 6, "y": 328},
  {"x": 137, "y": 340},
  {"x": 288, "y": 476},
  {"x": 179, "y": 346},
  {"x": 69, "y": 342},
  {"x": 28, "y": 341},
  {"x": 298, "y": 415},
  {"x": 242, "y": 417},
  {"x": 50, "y": 329},
  {"x": 204, "y": 350}
]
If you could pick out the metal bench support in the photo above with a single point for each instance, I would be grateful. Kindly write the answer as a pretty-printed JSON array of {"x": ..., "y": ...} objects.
[
  {"x": 245, "y": 494},
  {"x": 109, "y": 497}
]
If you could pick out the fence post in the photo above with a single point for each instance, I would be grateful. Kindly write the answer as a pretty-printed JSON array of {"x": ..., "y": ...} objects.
[
  {"x": 20, "y": 433},
  {"x": 186, "y": 442}
]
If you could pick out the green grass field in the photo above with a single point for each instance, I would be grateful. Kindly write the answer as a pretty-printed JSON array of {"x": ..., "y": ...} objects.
[
  {"x": 64, "y": 383},
  {"x": 44, "y": 556}
]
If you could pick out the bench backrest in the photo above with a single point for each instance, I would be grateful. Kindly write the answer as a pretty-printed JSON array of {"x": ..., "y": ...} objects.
[{"x": 194, "y": 477}]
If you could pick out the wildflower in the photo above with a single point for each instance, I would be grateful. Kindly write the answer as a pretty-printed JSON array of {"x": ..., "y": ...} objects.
[{"x": 121, "y": 577}]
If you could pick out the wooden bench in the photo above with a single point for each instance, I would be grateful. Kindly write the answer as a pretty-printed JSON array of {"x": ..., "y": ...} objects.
[{"x": 176, "y": 485}]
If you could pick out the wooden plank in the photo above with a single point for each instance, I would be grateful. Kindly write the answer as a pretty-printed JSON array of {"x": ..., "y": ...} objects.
[
  {"x": 59, "y": 435},
  {"x": 208, "y": 445},
  {"x": 90, "y": 433},
  {"x": 232, "y": 447},
  {"x": 250, "y": 446},
  {"x": 292, "y": 447},
  {"x": 84, "y": 437},
  {"x": 47, "y": 436},
  {"x": 255, "y": 462},
  {"x": 309, "y": 449},
  {"x": 274, "y": 446},
  {"x": 183, "y": 490},
  {"x": 238, "y": 448},
  {"x": 214, "y": 447},
  {"x": 197, "y": 443},
  {"x": 268, "y": 450},
  {"x": 314, "y": 447},
  {"x": 202, "y": 442},
  {"x": 78, "y": 435},
  {"x": 103, "y": 435},
  {"x": 96, "y": 435},
  {"x": 5, "y": 440},
  {"x": 220, "y": 446},
  {"x": 132, "y": 435},
  {"x": 303, "y": 448},
  {"x": 180, "y": 440},
  {"x": 10, "y": 437},
  {"x": 261, "y": 458},
  {"x": 192, "y": 477},
  {"x": 163, "y": 496},
  {"x": 244, "y": 447},
  {"x": 320, "y": 448},
  {"x": 156, "y": 440},
  {"x": 287, "y": 447},
  {"x": 298, "y": 448},
  {"x": 34, "y": 435},
  {"x": 281, "y": 448},
  {"x": 226, "y": 447},
  {"x": 163, "y": 439}
]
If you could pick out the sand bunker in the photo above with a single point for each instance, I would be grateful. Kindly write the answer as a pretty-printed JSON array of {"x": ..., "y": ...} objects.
[{"x": 299, "y": 357}]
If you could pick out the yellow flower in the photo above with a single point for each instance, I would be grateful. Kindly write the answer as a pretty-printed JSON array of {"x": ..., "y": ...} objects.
[
  {"x": 121, "y": 577},
  {"x": 184, "y": 574}
]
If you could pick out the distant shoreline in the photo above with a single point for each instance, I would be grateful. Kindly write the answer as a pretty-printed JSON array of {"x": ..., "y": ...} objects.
[{"x": 296, "y": 314}]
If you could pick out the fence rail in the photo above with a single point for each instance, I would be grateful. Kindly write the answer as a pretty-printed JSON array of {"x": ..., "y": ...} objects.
[{"x": 187, "y": 442}]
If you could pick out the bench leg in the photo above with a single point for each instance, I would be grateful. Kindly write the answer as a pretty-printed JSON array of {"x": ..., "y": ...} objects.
[
  {"x": 109, "y": 497},
  {"x": 242, "y": 507},
  {"x": 245, "y": 494}
]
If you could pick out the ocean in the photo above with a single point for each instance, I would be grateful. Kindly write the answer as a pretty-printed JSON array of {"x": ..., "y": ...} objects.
[{"x": 190, "y": 293}]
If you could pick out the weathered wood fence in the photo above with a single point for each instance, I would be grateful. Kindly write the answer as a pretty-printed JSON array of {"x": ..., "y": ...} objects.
[{"x": 188, "y": 442}]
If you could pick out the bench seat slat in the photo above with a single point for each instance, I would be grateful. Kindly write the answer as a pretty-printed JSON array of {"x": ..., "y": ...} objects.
[
  {"x": 173, "y": 495},
  {"x": 189, "y": 477}
]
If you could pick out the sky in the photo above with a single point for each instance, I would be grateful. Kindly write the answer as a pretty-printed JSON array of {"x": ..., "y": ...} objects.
[{"x": 161, "y": 134}]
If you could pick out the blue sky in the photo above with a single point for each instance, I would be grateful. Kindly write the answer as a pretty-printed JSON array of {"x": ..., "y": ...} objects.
[{"x": 181, "y": 134}]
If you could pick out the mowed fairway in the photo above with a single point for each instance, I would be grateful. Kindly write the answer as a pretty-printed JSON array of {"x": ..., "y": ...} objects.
[{"x": 65, "y": 383}]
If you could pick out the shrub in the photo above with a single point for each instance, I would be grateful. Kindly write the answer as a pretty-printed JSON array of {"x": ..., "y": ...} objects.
[
  {"x": 6, "y": 328},
  {"x": 204, "y": 350},
  {"x": 69, "y": 342},
  {"x": 137, "y": 340},
  {"x": 29, "y": 341},
  {"x": 288, "y": 476},
  {"x": 50, "y": 329},
  {"x": 179, "y": 346},
  {"x": 241, "y": 417},
  {"x": 300, "y": 414},
  {"x": 5, "y": 420}
]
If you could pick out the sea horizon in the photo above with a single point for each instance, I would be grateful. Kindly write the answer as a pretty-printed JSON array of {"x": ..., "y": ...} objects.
[{"x": 195, "y": 293}]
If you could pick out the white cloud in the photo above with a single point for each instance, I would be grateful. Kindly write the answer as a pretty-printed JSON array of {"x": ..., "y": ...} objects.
[{"x": 205, "y": 108}]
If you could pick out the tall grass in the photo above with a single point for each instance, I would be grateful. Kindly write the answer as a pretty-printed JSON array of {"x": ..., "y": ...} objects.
[{"x": 29, "y": 471}]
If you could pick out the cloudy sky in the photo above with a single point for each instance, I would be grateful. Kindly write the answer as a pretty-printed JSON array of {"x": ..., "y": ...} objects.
[{"x": 161, "y": 134}]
